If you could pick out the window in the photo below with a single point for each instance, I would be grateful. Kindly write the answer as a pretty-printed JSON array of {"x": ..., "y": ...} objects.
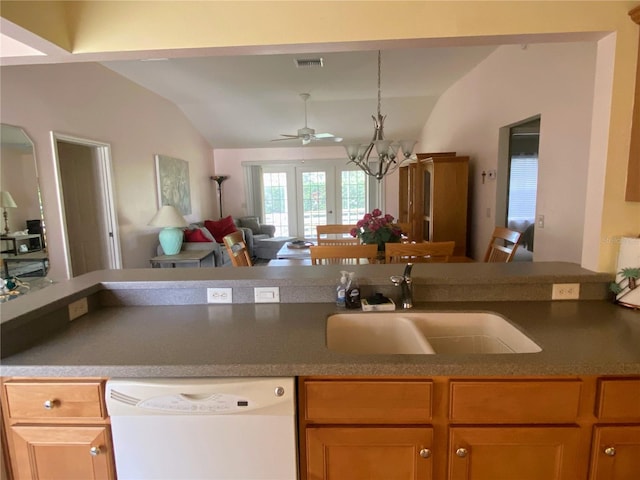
[
  {"x": 523, "y": 185},
  {"x": 275, "y": 201},
  {"x": 354, "y": 196},
  {"x": 297, "y": 197}
]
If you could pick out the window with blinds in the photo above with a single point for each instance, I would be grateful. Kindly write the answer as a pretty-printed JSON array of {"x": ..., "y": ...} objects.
[{"x": 523, "y": 185}]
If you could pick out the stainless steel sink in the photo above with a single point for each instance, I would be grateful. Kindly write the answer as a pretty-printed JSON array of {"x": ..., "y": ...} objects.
[{"x": 426, "y": 333}]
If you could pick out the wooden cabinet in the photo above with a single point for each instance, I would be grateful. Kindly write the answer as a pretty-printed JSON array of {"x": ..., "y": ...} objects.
[
  {"x": 537, "y": 437},
  {"x": 366, "y": 429},
  {"x": 480, "y": 428},
  {"x": 615, "y": 454},
  {"x": 525, "y": 453},
  {"x": 369, "y": 453},
  {"x": 433, "y": 196},
  {"x": 57, "y": 429}
]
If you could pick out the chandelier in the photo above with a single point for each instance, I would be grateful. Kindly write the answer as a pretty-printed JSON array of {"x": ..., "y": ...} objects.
[{"x": 387, "y": 150}]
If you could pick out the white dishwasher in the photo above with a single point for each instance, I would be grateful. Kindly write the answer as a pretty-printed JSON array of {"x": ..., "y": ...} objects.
[{"x": 203, "y": 428}]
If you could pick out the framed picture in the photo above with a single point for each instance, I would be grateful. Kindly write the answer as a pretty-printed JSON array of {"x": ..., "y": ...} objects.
[{"x": 172, "y": 177}]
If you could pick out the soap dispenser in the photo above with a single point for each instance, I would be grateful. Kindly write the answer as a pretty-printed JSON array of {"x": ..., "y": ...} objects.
[
  {"x": 341, "y": 289},
  {"x": 352, "y": 298}
]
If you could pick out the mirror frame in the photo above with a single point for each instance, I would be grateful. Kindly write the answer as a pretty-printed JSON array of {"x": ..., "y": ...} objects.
[{"x": 38, "y": 193}]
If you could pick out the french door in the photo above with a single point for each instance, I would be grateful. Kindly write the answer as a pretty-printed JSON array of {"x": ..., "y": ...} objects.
[{"x": 298, "y": 198}]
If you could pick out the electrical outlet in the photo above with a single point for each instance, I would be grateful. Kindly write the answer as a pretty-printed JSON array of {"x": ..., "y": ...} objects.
[
  {"x": 266, "y": 294},
  {"x": 565, "y": 291},
  {"x": 78, "y": 308},
  {"x": 219, "y": 295}
]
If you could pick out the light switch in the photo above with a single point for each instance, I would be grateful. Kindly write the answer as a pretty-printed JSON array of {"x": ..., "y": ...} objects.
[{"x": 266, "y": 294}]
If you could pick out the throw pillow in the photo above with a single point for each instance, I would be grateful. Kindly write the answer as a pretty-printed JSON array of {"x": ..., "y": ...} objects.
[
  {"x": 251, "y": 222},
  {"x": 207, "y": 234},
  {"x": 195, "y": 235},
  {"x": 220, "y": 228}
]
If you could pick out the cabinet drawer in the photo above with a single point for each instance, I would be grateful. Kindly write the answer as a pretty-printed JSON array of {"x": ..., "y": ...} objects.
[
  {"x": 368, "y": 401},
  {"x": 553, "y": 401},
  {"x": 55, "y": 400},
  {"x": 619, "y": 400}
]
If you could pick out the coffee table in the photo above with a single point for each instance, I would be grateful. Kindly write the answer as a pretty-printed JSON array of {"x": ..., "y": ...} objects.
[{"x": 287, "y": 252}]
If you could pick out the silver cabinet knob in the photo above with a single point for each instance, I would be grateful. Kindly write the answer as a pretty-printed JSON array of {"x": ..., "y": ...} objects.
[
  {"x": 610, "y": 451},
  {"x": 279, "y": 391},
  {"x": 425, "y": 452},
  {"x": 49, "y": 404},
  {"x": 462, "y": 452},
  {"x": 94, "y": 451}
]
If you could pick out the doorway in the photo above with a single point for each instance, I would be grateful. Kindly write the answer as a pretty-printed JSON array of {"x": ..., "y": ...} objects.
[
  {"x": 83, "y": 169},
  {"x": 522, "y": 184},
  {"x": 297, "y": 198}
]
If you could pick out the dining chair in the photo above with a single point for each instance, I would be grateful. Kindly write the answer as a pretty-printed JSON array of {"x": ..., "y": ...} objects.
[
  {"x": 502, "y": 246},
  {"x": 424, "y": 252},
  {"x": 343, "y": 254},
  {"x": 237, "y": 249},
  {"x": 406, "y": 230},
  {"x": 336, "y": 235}
]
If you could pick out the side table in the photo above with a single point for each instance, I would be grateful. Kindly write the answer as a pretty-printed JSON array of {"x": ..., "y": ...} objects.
[
  {"x": 18, "y": 240},
  {"x": 185, "y": 257}
]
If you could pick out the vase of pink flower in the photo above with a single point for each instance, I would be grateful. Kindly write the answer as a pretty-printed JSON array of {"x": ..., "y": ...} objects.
[{"x": 377, "y": 228}]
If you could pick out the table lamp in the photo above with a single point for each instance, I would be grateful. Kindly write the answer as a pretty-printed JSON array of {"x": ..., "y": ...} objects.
[
  {"x": 171, "y": 235},
  {"x": 6, "y": 201}
]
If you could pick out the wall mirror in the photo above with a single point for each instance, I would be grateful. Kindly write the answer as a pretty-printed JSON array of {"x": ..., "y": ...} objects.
[{"x": 23, "y": 239}]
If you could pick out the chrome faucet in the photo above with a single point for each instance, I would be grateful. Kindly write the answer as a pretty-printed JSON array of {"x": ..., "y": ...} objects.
[{"x": 404, "y": 282}]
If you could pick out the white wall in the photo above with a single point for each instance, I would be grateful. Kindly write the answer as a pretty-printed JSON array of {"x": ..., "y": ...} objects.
[
  {"x": 229, "y": 162},
  {"x": 555, "y": 81},
  {"x": 89, "y": 101}
]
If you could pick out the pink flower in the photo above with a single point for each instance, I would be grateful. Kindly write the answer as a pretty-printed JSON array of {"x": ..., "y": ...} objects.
[{"x": 376, "y": 212}]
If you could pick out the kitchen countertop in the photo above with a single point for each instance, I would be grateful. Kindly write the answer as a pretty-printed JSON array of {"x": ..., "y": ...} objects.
[
  {"x": 577, "y": 337},
  {"x": 156, "y": 322}
]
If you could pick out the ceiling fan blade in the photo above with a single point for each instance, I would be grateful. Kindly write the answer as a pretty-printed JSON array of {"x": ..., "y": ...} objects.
[
  {"x": 328, "y": 136},
  {"x": 288, "y": 137}
]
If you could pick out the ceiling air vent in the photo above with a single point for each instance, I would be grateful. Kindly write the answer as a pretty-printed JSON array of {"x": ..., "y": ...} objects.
[{"x": 308, "y": 62}]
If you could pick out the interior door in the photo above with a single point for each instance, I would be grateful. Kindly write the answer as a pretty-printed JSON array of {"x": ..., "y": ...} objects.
[
  {"x": 88, "y": 206},
  {"x": 83, "y": 214}
]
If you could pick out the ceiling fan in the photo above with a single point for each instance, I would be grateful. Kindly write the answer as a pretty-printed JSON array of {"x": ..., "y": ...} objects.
[{"x": 307, "y": 134}]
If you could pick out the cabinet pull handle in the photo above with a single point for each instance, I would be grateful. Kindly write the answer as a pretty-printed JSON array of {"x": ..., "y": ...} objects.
[
  {"x": 49, "y": 404},
  {"x": 611, "y": 451},
  {"x": 94, "y": 451},
  {"x": 425, "y": 452},
  {"x": 462, "y": 452}
]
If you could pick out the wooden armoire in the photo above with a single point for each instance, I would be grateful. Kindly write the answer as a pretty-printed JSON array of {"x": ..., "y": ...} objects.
[{"x": 433, "y": 194}]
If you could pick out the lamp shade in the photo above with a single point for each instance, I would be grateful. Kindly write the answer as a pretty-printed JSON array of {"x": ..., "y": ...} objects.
[
  {"x": 168, "y": 216},
  {"x": 7, "y": 201},
  {"x": 171, "y": 235}
]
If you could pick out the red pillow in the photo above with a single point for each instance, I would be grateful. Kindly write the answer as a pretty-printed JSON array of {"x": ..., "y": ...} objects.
[
  {"x": 220, "y": 228},
  {"x": 195, "y": 235}
]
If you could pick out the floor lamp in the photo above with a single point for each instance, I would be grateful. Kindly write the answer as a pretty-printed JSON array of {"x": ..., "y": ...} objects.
[{"x": 219, "y": 179}]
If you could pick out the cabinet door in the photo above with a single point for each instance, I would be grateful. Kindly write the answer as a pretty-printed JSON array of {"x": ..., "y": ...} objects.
[
  {"x": 359, "y": 453},
  {"x": 525, "y": 453},
  {"x": 61, "y": 452},
  {"x": 616, "y": 453}
]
